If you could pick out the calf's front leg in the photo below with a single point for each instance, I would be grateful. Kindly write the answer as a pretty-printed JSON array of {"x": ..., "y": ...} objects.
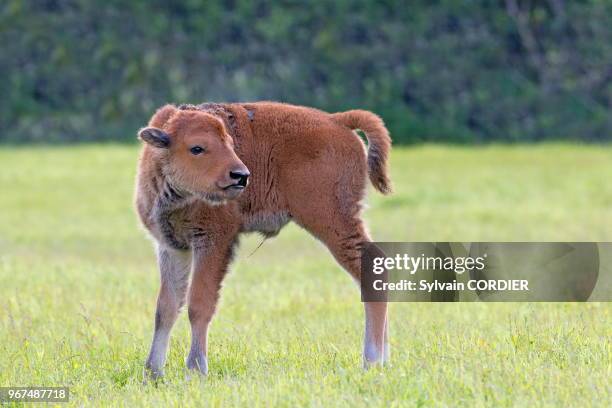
[
  {"x": 210, "y": 265},
  {"x": 174, "y": 267}
]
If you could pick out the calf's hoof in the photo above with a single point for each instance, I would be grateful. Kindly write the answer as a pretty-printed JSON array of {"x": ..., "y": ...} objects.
[
  {"x": 197, "y": 362},
  {"x": 375, "y": 357},
  {"x": 153, "y": 375}
]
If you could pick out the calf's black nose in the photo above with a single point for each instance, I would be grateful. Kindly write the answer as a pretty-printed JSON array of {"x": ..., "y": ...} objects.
[{"x": 241, "y": 176}]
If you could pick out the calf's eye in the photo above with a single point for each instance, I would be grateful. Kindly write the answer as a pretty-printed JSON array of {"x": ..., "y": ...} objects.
[{"x": 195, "y": 150}]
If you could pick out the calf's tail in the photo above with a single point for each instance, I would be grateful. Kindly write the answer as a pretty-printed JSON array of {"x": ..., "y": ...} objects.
[{"x": 379, "y": 144}]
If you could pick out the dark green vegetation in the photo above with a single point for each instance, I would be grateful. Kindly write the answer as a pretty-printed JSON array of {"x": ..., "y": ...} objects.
[{"x": 462, "y": 71}]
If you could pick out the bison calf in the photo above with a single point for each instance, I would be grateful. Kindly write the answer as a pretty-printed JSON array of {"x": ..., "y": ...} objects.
[{"x": 210, "y": 172}]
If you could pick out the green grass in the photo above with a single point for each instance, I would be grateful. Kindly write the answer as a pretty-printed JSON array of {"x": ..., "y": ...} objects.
[{"x": 78, "y": 283}]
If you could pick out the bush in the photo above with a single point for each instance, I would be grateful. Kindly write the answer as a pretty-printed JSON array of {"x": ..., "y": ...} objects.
[{"x": 471, "y": 71}]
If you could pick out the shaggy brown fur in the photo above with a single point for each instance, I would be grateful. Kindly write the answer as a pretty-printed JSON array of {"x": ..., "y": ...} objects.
[{"x": 305, "y": 165}]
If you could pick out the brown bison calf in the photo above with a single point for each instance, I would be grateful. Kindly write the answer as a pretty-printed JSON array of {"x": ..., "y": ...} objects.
[{"x": 210, "y": 172}]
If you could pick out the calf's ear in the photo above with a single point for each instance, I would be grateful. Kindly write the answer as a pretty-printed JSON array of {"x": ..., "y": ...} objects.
[{"x": 155, "y": 137}]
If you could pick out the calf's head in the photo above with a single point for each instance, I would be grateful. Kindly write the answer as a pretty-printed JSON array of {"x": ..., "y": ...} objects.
[{"x": 196, "y": 155}]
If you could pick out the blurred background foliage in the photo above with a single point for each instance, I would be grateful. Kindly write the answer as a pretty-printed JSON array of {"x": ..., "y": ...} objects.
[{"x": 442, "y": 70}]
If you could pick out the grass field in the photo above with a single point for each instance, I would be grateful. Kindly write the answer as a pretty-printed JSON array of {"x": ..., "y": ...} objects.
[{"x": 78, "y": 284}]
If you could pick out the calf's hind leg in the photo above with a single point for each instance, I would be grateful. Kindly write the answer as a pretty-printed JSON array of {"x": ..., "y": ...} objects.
[
  {"x": 174, "y": 267},
  {"x": 345, "y": 236}
]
